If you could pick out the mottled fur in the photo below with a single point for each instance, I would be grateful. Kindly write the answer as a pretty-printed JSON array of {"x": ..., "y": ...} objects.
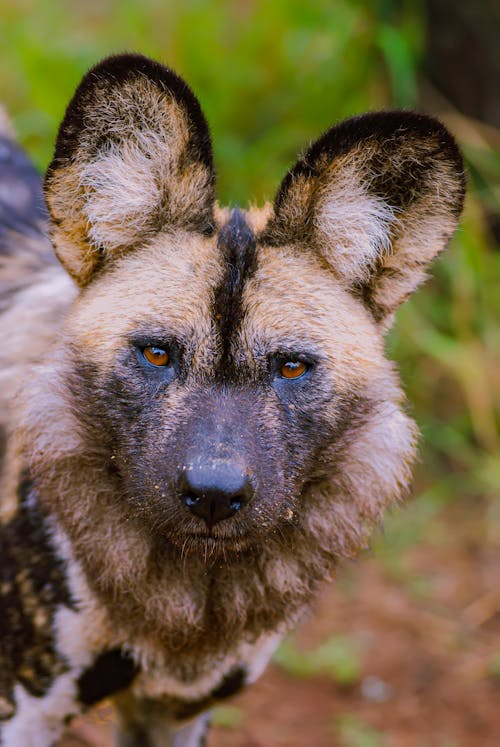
[{"x": 145, "y": 603}]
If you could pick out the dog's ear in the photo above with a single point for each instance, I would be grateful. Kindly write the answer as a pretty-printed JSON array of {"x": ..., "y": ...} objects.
[
  {"x": 133, "y": 157},
  {"x": 377, "y": 196}
]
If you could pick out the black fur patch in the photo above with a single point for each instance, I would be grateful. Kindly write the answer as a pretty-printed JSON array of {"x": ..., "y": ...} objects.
[
  {"x": 32, "y": 587},
  {"x": 236, "y": 242},
  {"x": 232, "y": 683},
  {"x": 111, "y": 672}
]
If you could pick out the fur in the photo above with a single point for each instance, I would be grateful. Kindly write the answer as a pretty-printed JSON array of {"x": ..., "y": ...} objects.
[{"x": 147, "y": 603}]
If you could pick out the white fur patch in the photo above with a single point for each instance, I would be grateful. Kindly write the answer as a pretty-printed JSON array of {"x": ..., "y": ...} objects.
[
  {"x": 258, "y": 655},
  {"x": 82, "y": 634},
  {"x": 122, "y": 186},
  {"x": 192, "y": 735},
  {"x": 353, "y": 225},
  {"x": 38, "y": 721}
]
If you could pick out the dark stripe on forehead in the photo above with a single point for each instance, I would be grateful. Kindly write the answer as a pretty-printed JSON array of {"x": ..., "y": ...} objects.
[{"x": 236, "y": 243}]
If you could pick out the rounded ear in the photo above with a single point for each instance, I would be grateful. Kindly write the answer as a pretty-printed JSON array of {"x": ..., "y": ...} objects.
[
  {"x": 378, "y": 197},
  {"x": 133, "y": 157}
]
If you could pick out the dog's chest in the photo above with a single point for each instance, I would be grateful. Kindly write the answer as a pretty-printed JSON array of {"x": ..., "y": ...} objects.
[{"x": 58, "y": 639}]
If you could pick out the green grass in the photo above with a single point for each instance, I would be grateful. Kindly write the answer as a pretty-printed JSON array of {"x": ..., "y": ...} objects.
[
  {"x": 270, "y": 76},
  {"x": 227, "y": 717},
  {"x": 338, "y": 658},
  {"x": 352, "y": 732}
]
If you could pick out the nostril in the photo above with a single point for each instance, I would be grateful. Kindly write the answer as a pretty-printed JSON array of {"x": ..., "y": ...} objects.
[{"x": 190, "y": 499}]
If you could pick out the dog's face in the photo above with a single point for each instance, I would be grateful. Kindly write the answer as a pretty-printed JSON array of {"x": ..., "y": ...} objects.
[
  {"x": 218, "y": 400},
  {"x": 230, "y": 365}
]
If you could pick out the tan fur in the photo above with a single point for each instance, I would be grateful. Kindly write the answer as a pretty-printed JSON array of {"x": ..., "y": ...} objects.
[
  {"x": 374, "y": 474},
  {"x": 176, "y": 274},
  {"x": 318, "y": 308},
  {"x": 314, "y": 277}
]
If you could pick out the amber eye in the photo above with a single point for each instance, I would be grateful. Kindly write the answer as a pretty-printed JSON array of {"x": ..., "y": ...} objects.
[
  {"x": 293, "y": 369},
  {"x": 156, "y": 356}
]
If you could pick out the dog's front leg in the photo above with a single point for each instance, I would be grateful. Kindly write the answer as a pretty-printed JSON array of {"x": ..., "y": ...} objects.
[{"x": 149, "y": 723}]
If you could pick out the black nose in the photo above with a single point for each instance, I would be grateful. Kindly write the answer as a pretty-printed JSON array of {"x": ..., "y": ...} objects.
[{"x": 214, "y": 490}]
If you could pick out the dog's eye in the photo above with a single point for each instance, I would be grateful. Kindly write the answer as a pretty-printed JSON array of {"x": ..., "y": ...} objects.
[
  {"x": 293, "y": 369},
  {"x": 156, "y": 356}
]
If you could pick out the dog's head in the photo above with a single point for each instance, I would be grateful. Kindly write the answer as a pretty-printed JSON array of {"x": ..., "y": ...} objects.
[{"x": 228, "y": 367}]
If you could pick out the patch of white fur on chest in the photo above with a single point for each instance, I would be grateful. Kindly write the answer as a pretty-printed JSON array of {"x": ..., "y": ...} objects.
[
  {"x": 81, "y": 633},
  {"x": 155, "y": 682}
]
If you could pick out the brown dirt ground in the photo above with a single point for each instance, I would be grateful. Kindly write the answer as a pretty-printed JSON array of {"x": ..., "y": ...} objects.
[{"x": 432, "y": 649}]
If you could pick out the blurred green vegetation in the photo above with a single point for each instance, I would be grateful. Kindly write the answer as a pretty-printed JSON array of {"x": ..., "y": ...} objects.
[
  {"x": 227, "y": 717},
  {"x": 338, "y": 657},
  {"x": 352, "y": 732},
  {"x": 271, "y": 77}
]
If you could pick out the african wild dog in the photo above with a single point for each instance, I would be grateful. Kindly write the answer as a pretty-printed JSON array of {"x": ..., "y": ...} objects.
[{"x": 199, "y": 421}]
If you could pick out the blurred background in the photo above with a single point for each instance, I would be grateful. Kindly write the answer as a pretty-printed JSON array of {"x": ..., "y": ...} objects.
[{"x": 403, "y": 651}]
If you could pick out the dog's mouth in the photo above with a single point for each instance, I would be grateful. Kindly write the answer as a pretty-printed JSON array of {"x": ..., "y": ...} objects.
[
  {"x": 209, "y": 545},
  {"x": 233, "y": 536}
]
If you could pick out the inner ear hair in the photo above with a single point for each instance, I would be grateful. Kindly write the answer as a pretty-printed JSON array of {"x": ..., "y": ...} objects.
[
  {"x": 378, "y": 197},
  {"x": 133, "y": 157}
]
